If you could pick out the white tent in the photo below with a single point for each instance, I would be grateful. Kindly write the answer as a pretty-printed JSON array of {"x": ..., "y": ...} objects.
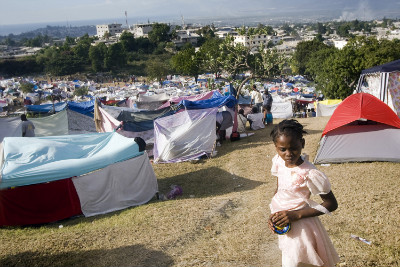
[
  {"x": 281, "y": 109},
  {"x": 383, "y": 82},
  {"x": 185, "y": 135}
]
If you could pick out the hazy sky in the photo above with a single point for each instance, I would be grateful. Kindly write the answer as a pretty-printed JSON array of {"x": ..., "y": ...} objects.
[{"x": 37, "y": 11}]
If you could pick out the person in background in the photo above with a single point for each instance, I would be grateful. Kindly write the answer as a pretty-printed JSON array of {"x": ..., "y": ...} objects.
[
  {"x": 267, "y": 102},
  {"x": 28, "y": 129},
  {"x": 306, "y": 243},
  {"x": 256, "y": 119},
  {"x": 242, "y": 120},
  {"x": 256, "y": 98},
  {"x": 268, "y": 116},
  {"x": 224, "y": 121}
]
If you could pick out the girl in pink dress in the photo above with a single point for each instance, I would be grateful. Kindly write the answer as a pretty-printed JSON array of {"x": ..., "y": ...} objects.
[{"x": 307, "y": 242}]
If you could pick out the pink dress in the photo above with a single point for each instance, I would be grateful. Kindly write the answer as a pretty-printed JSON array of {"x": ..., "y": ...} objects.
[{"x": 307, "y": 243}]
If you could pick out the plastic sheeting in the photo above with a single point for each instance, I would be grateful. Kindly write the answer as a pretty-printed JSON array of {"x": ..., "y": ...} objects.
[
  {"x": 43, "y": 159},
  {"x": 177, "y": 99},
  {"x": 184, "y": 136},
  {"x": 117, "y": 186},
  {"x": 85, "y": 108},
  {"x": 10, "y": 126},
  {"x": 46, "y": 108},
  {"x": 229, "y": 101}
]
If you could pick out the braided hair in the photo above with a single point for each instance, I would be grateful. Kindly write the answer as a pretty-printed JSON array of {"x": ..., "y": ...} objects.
[{"x": 289, "y": 127}]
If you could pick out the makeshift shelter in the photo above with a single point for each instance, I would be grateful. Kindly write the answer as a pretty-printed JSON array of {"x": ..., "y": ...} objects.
[
  {"x": 90, "y": 174},
  {"x": 362, "y": 128},
  {"x": 151, "y": 102},
  {"x": 184, "y": 136},
  {"x": 326, "y": 108},
  {"x": 280, "y": 108},
  {"x": 383, "y": 82}
]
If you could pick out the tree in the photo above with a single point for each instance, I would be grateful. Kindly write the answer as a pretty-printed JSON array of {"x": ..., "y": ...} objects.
[
  {"x": 303, "y": 52},
  {"x": 209, "y": 53},
  {"x": 187, "y": 62},
  {"x": 97, "y": 55},
  {"x": 158, "y": 69},
  {"x": 159, "y": 33},
  {"x": 26, "y": 87},
  {"x": 128, "y": 41},
  {"x": 81, "y": 91},
  {"x": 115, "y": 57}
]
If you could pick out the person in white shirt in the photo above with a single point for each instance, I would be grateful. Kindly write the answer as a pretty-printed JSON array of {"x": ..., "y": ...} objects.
[
  {"x": 256, "y": 98},
  {"x": 256, "y": 119}
]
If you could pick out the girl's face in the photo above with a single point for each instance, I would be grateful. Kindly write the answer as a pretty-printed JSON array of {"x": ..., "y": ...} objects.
[{"x": 289, "y": 149}]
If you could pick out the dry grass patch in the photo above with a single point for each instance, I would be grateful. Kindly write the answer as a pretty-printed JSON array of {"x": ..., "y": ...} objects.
[{"x": 221, "y": 218}]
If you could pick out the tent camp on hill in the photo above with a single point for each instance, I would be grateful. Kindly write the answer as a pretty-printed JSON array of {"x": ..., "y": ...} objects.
[
  {"x": 362, "y": 128},
  {"x": 382, "y": 81}
]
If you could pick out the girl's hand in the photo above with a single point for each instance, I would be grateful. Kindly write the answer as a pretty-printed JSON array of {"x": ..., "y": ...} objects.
[
  {"x": 270, "y": 224},
  {"x": 281, "y": 218}
]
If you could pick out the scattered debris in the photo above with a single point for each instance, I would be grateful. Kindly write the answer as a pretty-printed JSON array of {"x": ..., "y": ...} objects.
[{"x": 361, "y": 239}]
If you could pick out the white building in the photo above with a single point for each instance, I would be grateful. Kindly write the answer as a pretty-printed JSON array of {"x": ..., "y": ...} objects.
[
  {"x": 224, "y": 32},
  {"x": 113, "y": 29},
  {"x": 253, "y": 41},
  {"x": 142, "y": 30}
]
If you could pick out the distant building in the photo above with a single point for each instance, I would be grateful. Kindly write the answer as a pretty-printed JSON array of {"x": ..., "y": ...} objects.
[
  {"x": 224, "y": 32},
  {"x": 113, "y": 29},
  {"x": 253, "y": 42},
  {"x": 186, "y": 36},
  {"x": 141, "y": 30}
]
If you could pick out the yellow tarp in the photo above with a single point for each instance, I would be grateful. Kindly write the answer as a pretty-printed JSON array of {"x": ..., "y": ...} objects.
[{"x": 330, "y": 102}]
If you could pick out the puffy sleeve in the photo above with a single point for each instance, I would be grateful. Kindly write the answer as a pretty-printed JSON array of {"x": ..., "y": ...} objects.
[
  {"x": 275, "y": 166},
  {"x": 318, "y": 183}
]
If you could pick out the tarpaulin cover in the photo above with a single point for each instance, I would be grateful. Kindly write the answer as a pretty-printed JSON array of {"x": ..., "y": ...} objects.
[
  {"x": 184, "y": 136},
  {"x": 142, "y": 120},
  {"x": 85, "y": 108},
  {"x": 46, "y": 107},
  {"x": 39, "y": 203},
  {"x": 177, "y": 99},
  {"x": 42, "y": 159},
  {"x": 388, "y": 67},
  {"x": 144, "y": 115},
  {"x": 117, "y": 186},
  {"x": 10, "y": 126},
  {"x": 153, "y": 98},
  {"x": 214, "y": 102},
  {"x": 79, "y": 123}
]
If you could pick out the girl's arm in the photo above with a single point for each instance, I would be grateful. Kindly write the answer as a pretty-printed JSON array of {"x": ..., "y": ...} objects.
[{"x": 282, "y": 218}]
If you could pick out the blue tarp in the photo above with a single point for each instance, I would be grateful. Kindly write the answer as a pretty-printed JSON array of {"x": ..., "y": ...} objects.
[
  {"x": 244, "y": 100},
  {"x": 85, "y": 108},
  {"x": 46, "y": 107},
  {"x": 229, "y": 101},
  {"x": 36, "y": 160}
]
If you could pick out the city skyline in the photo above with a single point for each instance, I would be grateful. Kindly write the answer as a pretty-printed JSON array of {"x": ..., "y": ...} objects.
[
  {"x": 26, "y": 15},
  {"x": 42, "y": 11}
]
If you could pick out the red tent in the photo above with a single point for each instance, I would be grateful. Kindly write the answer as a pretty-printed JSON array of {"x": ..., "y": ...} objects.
[
  {"x": 361, "y": 106},
  {"x": 361, "y": 129}
]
